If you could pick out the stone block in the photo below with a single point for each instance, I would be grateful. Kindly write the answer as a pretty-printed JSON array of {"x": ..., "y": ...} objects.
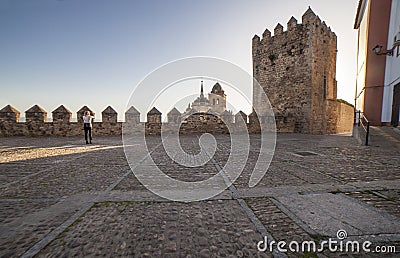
[
  {"x": 61, "y": 115},
  {"x": 35, "y": 114},
  {"x": 109, "y": 115},
  {"x": 132, "y": 116},
  {"x": 9, "y": 114}
]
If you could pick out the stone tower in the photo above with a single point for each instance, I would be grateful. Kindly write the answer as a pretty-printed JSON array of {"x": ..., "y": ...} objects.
[
  {"x": 297, "y": 70},
  {"x": 217, "y": 98}
]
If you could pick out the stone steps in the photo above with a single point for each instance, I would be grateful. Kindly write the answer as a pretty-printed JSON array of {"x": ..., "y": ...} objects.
[{"x": 385, "y": 136}]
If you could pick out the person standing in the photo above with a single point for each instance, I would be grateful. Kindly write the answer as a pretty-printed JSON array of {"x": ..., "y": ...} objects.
[{"x": 87, "y": 126}]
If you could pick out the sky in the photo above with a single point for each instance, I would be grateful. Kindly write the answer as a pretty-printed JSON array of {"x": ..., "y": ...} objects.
[{"x": 95, "y": 52}]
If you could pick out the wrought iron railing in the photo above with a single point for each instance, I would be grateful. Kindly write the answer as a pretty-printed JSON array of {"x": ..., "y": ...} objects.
[{"x": 362, "y": 121}]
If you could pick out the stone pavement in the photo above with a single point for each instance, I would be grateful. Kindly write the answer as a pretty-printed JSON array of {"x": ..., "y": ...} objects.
[{"x": 61, "y": 198}]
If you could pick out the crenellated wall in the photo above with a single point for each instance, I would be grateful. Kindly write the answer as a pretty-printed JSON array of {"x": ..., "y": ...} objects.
[
  {"x": 61, "y": 125},
  {"x": 296, "y": 68},
  {"x": 36, "y": 122}
]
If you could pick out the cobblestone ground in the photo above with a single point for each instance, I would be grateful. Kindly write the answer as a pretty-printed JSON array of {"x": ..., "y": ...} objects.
[{"x": 62, "y": 198}]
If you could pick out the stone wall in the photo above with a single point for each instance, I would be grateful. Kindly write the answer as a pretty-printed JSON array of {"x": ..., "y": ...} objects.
[
  {"x": 203, "y": 123},
  {"x": 339, "y": 117},
  {"x": 36, "y": 124},
  {"x": 297, "y": 69},
  {"x": 345, "y": 118}
]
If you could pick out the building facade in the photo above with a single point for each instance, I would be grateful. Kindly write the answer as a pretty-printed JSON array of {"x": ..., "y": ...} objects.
[
  {"x": 391, "y": 91},
  {"x": 378, "y": 61}
]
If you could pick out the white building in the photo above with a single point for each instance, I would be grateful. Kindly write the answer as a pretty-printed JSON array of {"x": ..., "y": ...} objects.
[
  {"x": 391, "y": 92},
  {"x": 378, "y": 61}
]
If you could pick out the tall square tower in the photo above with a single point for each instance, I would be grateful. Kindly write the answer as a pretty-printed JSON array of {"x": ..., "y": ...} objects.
[{"x": 296, "y": 68}]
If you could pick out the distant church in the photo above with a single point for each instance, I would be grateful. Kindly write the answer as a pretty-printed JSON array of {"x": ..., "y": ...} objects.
[{"x": 215, "y": 103}]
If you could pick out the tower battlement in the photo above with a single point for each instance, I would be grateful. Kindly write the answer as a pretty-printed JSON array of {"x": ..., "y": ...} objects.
[{"x": 310, "y": 21}]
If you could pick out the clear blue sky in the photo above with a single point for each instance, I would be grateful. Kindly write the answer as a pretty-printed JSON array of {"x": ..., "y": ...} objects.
[{"x": 93, "y": 52}]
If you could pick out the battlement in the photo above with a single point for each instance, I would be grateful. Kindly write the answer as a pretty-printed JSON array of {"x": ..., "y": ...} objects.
[
  {"x": 61, "y": 124},
  {"x": 310, "y": 22}
]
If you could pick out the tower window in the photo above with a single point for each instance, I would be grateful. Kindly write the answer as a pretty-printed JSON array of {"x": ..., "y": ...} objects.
[
  {"x": 324, "y": 87},
  {"x": 217, "y": 101}
]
